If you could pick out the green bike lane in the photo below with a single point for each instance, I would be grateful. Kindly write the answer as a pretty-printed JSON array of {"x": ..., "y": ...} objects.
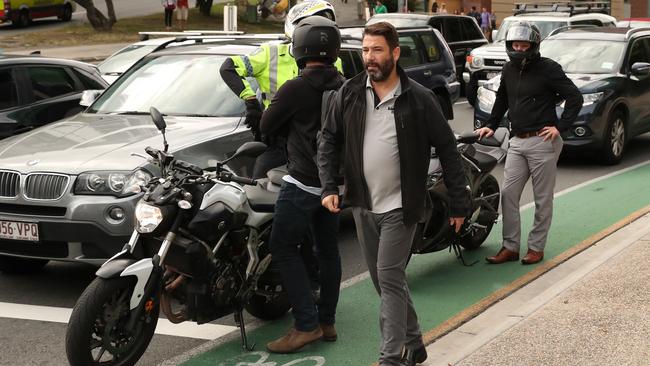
[{"x": 443, "y": 290}]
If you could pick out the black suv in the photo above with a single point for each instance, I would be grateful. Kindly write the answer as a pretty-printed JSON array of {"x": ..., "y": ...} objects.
[
  {"x": 611, "y": 67},
  {"x": 461, "y": 32},
  {"x": 37, "y": 90},
  {"x": 424, "y": 57}
]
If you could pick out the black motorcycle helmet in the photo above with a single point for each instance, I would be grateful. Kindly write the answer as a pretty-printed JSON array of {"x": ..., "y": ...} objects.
[
  {"x": 315, "y": 38},
  {"x": 523, "y": 32}
]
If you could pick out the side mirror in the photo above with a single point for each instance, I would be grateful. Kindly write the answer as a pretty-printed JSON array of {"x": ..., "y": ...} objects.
[
  {"x": 640, "y": 68},
  {"x": 250, "y": 149},
  {"x": 88, "y": 97},
  {"x": 158, "y": 119}
]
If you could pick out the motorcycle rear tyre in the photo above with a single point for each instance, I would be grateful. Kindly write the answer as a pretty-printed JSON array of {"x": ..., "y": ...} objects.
[
  {"x": 263, "y": 307},
  {"x": 488, "y": 186},
  {"x": 91, "y": 307}
]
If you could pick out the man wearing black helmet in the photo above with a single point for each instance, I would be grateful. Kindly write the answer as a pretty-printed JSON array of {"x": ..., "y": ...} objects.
[
  {"x": 531, "y": 86},
  {"x": 296, "y": 110}
]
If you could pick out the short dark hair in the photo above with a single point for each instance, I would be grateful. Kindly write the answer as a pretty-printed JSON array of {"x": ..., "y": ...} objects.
[{"x": 385, "y": 30}]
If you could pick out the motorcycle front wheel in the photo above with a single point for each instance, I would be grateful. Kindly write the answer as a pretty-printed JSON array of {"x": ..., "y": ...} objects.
[
  {"x": 479, "y": 231},
  {"x": 97, "y": 331}
]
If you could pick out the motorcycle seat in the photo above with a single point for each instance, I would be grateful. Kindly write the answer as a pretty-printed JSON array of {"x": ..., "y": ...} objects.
[
  {"x": 260, "y": 198},
  {"x": 483, "y": 161},
  {"x": 275, "y": 175}
]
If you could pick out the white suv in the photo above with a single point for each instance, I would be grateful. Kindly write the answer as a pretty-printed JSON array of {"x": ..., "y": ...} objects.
[{"x": 485, "y": 62}]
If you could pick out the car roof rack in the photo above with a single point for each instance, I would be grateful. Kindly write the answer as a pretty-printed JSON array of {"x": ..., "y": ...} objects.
[
  {"x": 571, "y": 7},
  {"x": 631, "y": 31},
  {"x": 570, "y": 27},
  {"x": 147, "y": 35}
]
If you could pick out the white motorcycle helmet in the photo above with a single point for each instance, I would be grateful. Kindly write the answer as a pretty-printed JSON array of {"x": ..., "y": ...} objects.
[{"x": 305, "y": 9}]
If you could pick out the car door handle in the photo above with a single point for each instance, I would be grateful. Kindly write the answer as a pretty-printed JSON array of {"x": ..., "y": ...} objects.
[{"x": 427, "y": 74}]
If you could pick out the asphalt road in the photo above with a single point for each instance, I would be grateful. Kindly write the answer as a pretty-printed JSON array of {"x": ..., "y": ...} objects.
[{"x": 56, "y": 288}]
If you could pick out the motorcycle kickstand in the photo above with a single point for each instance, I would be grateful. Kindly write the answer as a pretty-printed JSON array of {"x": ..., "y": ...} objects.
[
  {"x": 459, "y": 253},
  {"x": 239, "y": 320}
]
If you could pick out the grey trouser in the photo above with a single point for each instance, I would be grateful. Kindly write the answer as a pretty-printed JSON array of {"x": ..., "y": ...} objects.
[
  {"x": 536, "y": 158},
  {"x": 386, "y": 243}
]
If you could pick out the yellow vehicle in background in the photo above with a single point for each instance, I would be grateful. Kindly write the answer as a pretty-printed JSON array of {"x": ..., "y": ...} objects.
[{"x": 22, "y": 12}]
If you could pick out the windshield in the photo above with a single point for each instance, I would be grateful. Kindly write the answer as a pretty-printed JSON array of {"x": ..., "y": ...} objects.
[
  {"x": 544, "y": 27},
  {"x": 122, "y": 60},
  {"x": 186, "y": 85},
  {"x": 579, "y": 56}
]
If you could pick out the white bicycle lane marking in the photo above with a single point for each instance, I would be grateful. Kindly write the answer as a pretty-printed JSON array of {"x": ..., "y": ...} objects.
[
  {"x": 62, "y": 315},
  {"x": 264, "y": 356}
]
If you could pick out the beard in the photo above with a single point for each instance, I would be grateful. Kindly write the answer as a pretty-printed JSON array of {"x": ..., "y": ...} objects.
[{"x": 382, "y": 71}]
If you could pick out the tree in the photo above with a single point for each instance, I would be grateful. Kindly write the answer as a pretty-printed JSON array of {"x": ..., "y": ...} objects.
[{"x": 96, "y": 18}]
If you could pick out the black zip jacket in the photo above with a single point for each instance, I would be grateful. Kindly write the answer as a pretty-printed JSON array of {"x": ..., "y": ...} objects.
[
  {"x": 530, "y": 94},
  {"x": 296, "y": 108},
  {"x": 420, "y": 125}
]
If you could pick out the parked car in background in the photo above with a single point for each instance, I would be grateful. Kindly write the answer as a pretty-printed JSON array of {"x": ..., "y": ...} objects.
[
  {"x": 611, "y": 67},
  {"x": 633, "y": 23},
  {"x": 36, "y": 90},
  {"x": 485, "y": 62},
  {"x": 22, "y": 12},
  {"x": 461, "y": 33}
]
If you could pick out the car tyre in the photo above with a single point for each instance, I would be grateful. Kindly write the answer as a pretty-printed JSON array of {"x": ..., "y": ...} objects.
[
  {"x": 471, "y": 90},
  {"x": 66, "y": 14},
  {"x": 16, "y": 265},
  {"x": 23, "y": 19},
  {"x": 615, "y": 139}
]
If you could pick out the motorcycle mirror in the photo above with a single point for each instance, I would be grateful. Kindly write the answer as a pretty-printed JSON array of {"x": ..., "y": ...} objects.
[
  {"x": 158, "y": 119},
  {"x": 250, "y": 149}
]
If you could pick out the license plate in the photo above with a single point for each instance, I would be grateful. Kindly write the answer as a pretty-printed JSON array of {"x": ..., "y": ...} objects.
[
  {"x": 14, "y": 230},
  {"x": 490, "y": 75}
]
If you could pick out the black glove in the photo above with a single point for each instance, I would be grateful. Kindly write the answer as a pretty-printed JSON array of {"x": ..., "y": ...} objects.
[{"x": 253, "y": 117}]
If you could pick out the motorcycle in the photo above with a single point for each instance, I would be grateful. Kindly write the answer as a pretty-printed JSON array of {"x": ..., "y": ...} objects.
[
  {"x": 198, "y": 252},
  {"x": 479, "y": 158}
]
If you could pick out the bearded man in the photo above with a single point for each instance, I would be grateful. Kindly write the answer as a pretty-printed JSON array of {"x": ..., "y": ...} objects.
[{"x": 386, "y": 124}]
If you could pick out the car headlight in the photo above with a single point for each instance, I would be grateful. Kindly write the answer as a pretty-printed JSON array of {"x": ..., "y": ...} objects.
[
  {"x": 587, "y": 99},
  {"x": 591, "y": 98},
  {"x": 147, "y": 217},
  {"x": 119, "y": 184},
  {"x": 477, "y": 62},
  {"x": 486, "y": 99}
]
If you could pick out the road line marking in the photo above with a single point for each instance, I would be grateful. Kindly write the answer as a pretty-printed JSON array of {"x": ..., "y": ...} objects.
[{"x": 62, "y": 315}]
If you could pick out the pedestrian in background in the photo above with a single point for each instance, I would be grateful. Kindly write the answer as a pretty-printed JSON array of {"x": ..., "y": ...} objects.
[
  {"x": 182, "y": 12},
  {"x": 443, "y": 8},
  {"x": 385, "y": 124},
  {"x": 530, "y": 85},
  {"x": 475, "y": 14},
  {"x": 169, "y": 6},
  {"x": 380, "y": 8},
  {"x": 485, "y": 23},
  {"x": 434, "y": 7}
]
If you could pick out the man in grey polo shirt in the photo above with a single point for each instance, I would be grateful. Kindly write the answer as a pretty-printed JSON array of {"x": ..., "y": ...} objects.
[{"x": 386, "y": 124}]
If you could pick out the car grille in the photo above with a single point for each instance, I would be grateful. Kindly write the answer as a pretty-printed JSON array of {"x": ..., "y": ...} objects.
[
  {"x": 494, "y": 63},
  {"x": 45, "y": 186},
  {"x": 9, "y": 183}
]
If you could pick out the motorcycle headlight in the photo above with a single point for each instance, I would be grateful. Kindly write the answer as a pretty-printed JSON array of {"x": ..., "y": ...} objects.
[
  {"x": 118, "y": 184},
  {"x": 486, "y": 99},
  {"x": 147, "y": 218}
]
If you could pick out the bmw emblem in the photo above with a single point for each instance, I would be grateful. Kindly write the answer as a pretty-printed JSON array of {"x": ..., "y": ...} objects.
[{"x": 33, "y": 162}]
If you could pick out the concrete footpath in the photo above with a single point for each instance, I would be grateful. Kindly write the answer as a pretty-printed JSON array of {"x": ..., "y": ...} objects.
[{"x": 590, "y": 310}]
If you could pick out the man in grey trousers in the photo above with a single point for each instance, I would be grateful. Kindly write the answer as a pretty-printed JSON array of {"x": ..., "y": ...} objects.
[
  {"x": 386, "y": 124},
  {"x": 529, "y": 88}
]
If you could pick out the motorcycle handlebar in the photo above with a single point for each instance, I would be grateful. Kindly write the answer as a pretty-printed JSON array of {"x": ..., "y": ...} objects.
[{"x": 229, "y": 177}]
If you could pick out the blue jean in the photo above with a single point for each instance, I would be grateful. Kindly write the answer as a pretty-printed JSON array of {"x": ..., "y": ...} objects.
[{"x": 298, "y": 213}]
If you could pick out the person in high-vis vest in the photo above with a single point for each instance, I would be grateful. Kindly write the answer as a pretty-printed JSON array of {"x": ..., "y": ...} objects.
[{"x": 271, "y": 65}]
